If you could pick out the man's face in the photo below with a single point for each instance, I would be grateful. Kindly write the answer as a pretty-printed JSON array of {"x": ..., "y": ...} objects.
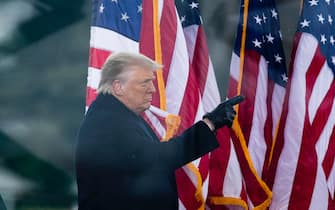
[{"x": 137, "y": 88}]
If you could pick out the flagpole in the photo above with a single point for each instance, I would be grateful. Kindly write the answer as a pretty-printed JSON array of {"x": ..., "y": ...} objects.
[
  {"x": 244, "y": 35},
  {"x": 158, "y": 56}
]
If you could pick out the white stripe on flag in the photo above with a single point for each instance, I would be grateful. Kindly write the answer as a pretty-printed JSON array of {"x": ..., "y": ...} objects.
[
  {"x": 109, "y": 40},
  {"x": 277, "y": 104},
  {"x": 211, "y": 96},
  {"x": 178, "y": 74},
  {"x": 93, "y": 77},
  {"x": 234, "y": 64},
  {"x": 257, "y": 145},
  {"x": 190, "y": 37},
  {"x": 320, "y": 192},
  {"x": 232, "y": 182},
  {"x": 331, "y": 182}
]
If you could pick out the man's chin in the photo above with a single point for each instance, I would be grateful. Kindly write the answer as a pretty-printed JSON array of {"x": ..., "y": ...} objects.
[{"x": 148, "y": 106}]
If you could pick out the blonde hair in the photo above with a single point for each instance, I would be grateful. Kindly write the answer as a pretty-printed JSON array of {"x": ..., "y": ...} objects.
[{"x": 120, "y": 62}]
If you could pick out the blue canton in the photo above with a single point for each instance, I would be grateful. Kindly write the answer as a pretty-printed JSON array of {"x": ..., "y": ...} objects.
[
  {"x": 264, "y": 36},
  {"x": 318, "y": 19},
  {"x": 121, "y": 16},
  {"x": 189, "y": 12}
]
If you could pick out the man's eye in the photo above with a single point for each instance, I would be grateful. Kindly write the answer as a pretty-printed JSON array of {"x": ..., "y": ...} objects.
[{"x": 145, "y": 84}]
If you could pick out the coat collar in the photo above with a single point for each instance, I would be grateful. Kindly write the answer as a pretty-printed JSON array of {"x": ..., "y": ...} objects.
[{"x": 108, "y": 101}]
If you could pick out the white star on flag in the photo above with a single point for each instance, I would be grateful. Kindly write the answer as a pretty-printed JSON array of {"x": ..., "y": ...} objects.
[
  {"x": 284, "y": 77},
  {"x": 278, "y": 58},
  {"x": 101, "y": 8},
  {"x": 183, "y": 19},
  {"x": 330, "y": 19},
  {"x": 305, "y": 23},
  {"x": 194, "y": 5},
  {"x": 321, "y": 18},
  {"x": 257, "y": 43},
  {"x": 124, "y": 17},
  {"x": 332, "y": 40},
  {"x": 313, "y": 2},
  {"x": 258, "y": 20},
  {"x": 274, "y": 13},
  {"x": 270, "y": 38},
  {"x": 139, "y": 8},
  {"x": 323, "y": 39}
]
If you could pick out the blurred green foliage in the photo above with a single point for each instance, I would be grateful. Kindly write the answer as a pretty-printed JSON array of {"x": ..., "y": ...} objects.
[{"x": 51, "y": 186}]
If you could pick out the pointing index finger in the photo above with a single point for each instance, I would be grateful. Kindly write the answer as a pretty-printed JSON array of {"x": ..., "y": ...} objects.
[{"x": 235, "y": 100}]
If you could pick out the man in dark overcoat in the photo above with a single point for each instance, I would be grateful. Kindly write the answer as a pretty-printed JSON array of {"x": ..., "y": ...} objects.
[{"x": 120, "y": 162}]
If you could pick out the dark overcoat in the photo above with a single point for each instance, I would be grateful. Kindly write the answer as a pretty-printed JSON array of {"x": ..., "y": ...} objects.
[{"x": 121, "y": 164}]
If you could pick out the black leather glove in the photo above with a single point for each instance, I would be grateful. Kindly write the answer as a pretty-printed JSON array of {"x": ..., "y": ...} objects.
[{"x": 224, "y": 113}]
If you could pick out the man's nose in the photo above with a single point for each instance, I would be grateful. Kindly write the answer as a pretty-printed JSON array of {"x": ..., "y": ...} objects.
[{"x": 152, "y": 87}]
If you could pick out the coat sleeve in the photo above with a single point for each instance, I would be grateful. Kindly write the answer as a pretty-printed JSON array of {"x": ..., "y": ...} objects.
[
  {"x": 191, "y": 144},
  {"x": 124, "y": 146},
  {"x": 133, "y": 150}
]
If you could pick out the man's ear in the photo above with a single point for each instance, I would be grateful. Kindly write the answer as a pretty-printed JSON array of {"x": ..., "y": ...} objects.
[{"x": 117, "y": 87}]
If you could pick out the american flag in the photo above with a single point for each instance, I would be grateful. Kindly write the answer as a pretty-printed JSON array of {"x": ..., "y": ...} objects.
[
  {"x": 201, "y": 95},
  {"x": 305, "y": 147},
  {"x": 257, "y": 71},
  {"x": 189, "y": 84},
  {"x": 115, "y": 27}
]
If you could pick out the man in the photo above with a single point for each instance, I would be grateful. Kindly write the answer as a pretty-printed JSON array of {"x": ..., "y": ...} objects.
[{"x": 120, "y": 162}]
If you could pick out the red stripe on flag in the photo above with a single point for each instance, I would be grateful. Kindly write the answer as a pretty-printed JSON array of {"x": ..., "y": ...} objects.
[
  {"x": 248, "y": 89},
  {"x": 98, "y": 57},
  {"x": 218, "y": 163},
  {"x": 233, "y": 84},
  {"x": 159, "y": 118},
  {"x": 186, "y": 190},
  {"x": 201, "y": 60},
  {"x": 313, "y": 72},
  {"x": 323, "y": 113},
  {"x": 331, "y": 202},
  {"x": 189, "y": 106},
  {"x": 204, "y": 166},
  {"x": 147, "y": 44},
  {"x": 254, "y": 190},
  {"x": 268, "y": 127},
  {"x": 328, "y": 161},
  {"x": 168, "y": 37}
]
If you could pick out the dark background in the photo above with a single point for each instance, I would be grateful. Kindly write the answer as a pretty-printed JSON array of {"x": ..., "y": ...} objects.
[{"x": 43, "y": 67}]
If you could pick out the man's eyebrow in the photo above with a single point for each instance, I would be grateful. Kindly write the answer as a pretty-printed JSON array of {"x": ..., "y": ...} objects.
[{"x": 148, "y": 80}]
